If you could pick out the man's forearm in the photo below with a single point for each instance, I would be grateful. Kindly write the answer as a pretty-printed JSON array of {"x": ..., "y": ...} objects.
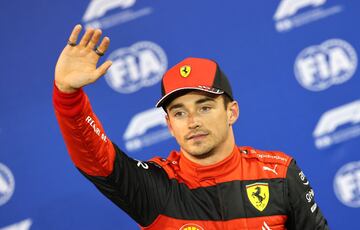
[{"x": 89, "y": 148}]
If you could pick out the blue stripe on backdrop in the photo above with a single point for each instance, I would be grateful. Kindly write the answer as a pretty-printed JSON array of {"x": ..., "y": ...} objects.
[{"x": 292, "y": 64}]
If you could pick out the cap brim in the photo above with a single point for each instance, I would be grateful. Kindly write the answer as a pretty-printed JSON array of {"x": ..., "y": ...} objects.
[{"x": 200, "y": 88}]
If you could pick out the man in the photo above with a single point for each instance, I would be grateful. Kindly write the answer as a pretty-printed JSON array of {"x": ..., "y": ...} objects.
[{"x": 210, "y": 183}]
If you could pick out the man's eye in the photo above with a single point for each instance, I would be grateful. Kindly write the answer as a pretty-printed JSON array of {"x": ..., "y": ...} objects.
[
  {"x": 179, "y": 114},
  {"x": 205, "y": 108}
]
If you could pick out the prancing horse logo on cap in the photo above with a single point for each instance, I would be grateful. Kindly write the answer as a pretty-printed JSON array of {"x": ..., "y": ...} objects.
[{"x": 185, "y": 71}]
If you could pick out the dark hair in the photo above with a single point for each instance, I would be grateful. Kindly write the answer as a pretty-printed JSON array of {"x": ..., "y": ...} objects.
[{"x": 226, "y": 100}]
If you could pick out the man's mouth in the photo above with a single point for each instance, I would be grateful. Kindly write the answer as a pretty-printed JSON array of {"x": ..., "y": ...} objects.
[{"x": 197, "y": 136}]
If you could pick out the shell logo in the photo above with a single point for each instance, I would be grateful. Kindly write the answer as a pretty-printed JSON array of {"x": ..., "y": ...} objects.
[{"x": 191, "y": 227}]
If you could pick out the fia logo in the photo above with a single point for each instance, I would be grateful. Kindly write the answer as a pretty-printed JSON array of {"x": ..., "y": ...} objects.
[
  {"x": 331, "y": 63},
  {"x": 7, "y": 184},
  {"x": 137, "y": 66},
  {"x": 347, "y": 184},
  {"x": 346, "y": 116},
  {"x": 138, "y": 135}
]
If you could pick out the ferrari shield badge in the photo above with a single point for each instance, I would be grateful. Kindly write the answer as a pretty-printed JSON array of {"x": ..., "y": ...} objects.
[
  {"x": 185, "y": 71},
  {"x": 258, "y": 194}
]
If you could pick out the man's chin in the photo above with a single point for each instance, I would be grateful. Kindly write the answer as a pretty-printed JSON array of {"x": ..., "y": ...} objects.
[{"x": 201, "y": 153}]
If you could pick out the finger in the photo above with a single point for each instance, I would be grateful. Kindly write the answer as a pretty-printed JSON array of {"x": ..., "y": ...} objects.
[
  {"x": 87, "y": 36},
  {"x": 101, "y": 70},
  {"x": 75, "y": 33},
  {"x": 104, "y": 45},
  {"x": 94, "y": 39}
]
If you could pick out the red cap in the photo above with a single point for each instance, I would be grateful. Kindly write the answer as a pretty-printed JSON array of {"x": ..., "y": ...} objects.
[{"x": 194, "y": 74}]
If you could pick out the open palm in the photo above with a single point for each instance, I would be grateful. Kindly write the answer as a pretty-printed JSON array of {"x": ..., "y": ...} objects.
[{"x": 76, "y": 66}]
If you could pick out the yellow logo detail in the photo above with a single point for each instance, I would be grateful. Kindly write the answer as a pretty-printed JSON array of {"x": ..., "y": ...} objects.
[
  {"x": 191, "y": 227},
  {"x": 258, "y": 194},
  {"x": 185, "y": 71}
]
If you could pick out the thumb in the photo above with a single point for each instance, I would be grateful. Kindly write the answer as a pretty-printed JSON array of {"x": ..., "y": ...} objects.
[{"x": 101, "y": 70}]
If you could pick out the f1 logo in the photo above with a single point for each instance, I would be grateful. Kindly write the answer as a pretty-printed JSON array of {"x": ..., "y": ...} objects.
[
  {"x": 332, "y": 119},
  {"x": 290, "y": 7},
  {"x": 98, "y": 8}
]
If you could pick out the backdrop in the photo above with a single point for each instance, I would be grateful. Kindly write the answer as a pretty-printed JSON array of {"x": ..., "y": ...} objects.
[{"x": 292, "y": 64}]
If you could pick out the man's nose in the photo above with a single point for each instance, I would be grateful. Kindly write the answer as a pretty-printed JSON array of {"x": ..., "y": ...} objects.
[{"x": 193, "y": 121}]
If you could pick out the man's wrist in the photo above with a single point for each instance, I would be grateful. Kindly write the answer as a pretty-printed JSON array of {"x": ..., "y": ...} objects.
[
  {"x": 65, "y": 89},
  {"x": 68, "y": 104}
]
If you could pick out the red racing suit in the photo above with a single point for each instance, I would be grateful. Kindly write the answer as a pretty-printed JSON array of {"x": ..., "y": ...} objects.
[{"x": 250, "y": 189}]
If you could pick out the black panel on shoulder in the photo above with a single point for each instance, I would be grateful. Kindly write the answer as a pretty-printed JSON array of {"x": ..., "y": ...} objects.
[{"x": 139, "y": 188}]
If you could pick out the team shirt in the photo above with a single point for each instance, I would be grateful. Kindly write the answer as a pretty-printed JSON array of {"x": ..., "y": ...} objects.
[{"x": 250, "y": 189}]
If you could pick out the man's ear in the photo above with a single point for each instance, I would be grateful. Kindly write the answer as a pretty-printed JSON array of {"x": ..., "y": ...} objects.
[
  {"x": 169, "y": 125},
  {"x": 233, "y": 112}
]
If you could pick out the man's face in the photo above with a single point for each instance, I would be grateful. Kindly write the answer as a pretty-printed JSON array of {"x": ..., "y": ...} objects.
[{"x": 199, "y": 122}]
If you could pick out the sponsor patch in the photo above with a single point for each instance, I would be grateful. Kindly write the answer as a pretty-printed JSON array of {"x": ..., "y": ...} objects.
[
  {"x": 258, "y": 194},
  {"x": 185, "y": 71},
  {"x": 191, "y": 227}
]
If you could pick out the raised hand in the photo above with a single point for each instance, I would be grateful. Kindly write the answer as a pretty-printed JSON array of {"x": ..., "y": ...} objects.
[{"x": 76, "y": 66}]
